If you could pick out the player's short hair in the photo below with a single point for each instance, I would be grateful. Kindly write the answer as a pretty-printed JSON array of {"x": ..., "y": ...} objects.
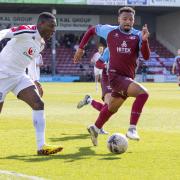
[
  {"x": 100, "y": 45},
  {"x": 44, "y": 16},
  {"x": 126, "y": 9}
]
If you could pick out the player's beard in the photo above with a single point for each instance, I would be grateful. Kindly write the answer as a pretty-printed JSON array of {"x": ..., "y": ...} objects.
[
  {"x": 127, "y": 29},
  {"x": 123, "y": 28}
]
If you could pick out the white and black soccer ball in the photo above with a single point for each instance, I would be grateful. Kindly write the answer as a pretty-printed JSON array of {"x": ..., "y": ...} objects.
[{"x": 117, "y": 143}]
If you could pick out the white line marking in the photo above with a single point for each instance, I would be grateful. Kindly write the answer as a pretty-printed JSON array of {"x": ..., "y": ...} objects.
[{"x": 11, "y": 173}]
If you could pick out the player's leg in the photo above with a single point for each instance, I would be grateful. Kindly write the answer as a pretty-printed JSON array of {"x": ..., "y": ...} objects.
[
  {"x": 6, "y": 84},
  {"x": 178, "y": 77},
  {"x": 89, "y": 100},
  {"x": 106, "y": 98},
  {"x": 106, "y": 89},
  {"x": 140, "y": 93},
  {"x": 32, "y": 98},
  {"x": 104, "y": 115},
  {"x": 96, "y": 81},
  {"x": 27, "y": 92},
  {"x": 116, "y": 100},
  {"x": 1, "y": 105}
]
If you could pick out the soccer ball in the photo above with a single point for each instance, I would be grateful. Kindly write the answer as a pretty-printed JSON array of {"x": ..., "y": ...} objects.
[{"x": 117, "y": 143}]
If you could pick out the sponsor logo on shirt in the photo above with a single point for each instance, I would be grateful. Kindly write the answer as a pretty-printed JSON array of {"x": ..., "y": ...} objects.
[
  {"x": 116, "y": 35},
  {"x": 124, "y": 48},
  {"x": 30, "y": 52}
]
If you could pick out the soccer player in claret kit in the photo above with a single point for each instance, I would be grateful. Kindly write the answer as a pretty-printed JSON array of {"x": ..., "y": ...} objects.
[
  {"x": 102, "y": 64},
  {"x": 124, "y": 43},
  {"x": 27, "y": 41},
  {"x": 176, "y": 67}
]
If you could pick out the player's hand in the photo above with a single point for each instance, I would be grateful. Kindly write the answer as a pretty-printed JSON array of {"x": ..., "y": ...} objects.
[
  {"x": 39, "y": 88},
  {"x": 145, "y": 33},
  {"x": 78, "y": 55}
]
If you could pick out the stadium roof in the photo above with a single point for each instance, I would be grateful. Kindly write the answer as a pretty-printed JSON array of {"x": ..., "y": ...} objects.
[{"x": 79, "y": 9}]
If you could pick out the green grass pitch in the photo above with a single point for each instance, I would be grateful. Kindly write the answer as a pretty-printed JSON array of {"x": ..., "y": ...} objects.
[{"x": 154, "y": 157}]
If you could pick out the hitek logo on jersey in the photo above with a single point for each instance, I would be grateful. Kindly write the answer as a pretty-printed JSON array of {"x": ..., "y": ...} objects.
[{"x": 124, "y": 48}]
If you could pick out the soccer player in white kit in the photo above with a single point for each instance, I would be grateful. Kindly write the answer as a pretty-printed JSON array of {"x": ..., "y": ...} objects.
[
  {"x": 97, "y": 72},
  {"x": 27, "y": 41}
]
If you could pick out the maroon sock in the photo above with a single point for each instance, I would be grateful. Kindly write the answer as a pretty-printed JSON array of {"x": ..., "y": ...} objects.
[
  {"x": 97, "y": 105},
  {"x": 104, "y": 115},
  {"x": 137, "y": 108}
]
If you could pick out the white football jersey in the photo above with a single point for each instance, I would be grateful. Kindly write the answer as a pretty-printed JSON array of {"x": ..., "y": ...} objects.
[
  {"x": 34, "y": 68},
  {"x": 95, "y": 57},
  {"x": 25, "y": 44}
]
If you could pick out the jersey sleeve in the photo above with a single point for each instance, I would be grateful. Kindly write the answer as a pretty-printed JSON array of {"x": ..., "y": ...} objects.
[
  {"x": 105, "y": 56},
  {"x": 93, "y": 58},
  {"x": 139, "y": 34},
  {"x": 6, "y": 33},
  {"x": 144, "y": 49},
  {"x": 103, "y": 30}
]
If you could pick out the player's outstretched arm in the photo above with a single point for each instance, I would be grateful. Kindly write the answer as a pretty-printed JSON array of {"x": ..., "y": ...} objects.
[
  {"x": 5, "y": 33},
  {"x": 79, "y": 53},
  {"x": 173, "y": 68},
  {"x": 100, "y": 64},
  {"x": 145, "y": 50},
  {"x": 145, "y": 33}
]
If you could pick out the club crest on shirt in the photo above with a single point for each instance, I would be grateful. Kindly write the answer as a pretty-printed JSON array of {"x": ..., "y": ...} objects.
[
  {"x": 30, "y": 53},
  {"x": 124, "y": 44}
]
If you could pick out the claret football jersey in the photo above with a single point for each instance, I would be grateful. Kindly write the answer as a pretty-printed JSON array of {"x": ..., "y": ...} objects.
[{"x": 123, "y": 48}]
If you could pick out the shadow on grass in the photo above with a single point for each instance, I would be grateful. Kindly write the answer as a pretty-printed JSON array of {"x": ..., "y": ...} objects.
[
  {"x": 83, "y": 153},
  {"x": 70, "y": 137}
]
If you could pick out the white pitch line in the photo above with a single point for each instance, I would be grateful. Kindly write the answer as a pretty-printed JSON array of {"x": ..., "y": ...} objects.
[{"x": 20, "y": 175}]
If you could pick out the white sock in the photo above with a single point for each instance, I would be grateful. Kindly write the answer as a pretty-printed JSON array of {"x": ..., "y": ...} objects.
[
  {"x": 39, "y": 124},
  {"x": 89, "y": 100},
  {"x": 96, "y": 86},
  {"x": 96, "y": 129}
]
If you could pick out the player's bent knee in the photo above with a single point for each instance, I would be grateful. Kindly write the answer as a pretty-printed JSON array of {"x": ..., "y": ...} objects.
[
  {"x": 38, "y": 105},
  {"x": 144, "y": 91},
  {"x": 144, "y": 96},
  {"x": 113, "y": 109}
]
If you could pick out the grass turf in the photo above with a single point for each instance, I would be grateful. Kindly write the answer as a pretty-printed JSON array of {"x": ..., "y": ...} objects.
[{"x": 155, "y": 156}]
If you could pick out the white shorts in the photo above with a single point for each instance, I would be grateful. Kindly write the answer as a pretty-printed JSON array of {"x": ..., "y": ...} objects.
[
  {"x": 13, "y": 84},
  {"x": 97, "y": 71}
]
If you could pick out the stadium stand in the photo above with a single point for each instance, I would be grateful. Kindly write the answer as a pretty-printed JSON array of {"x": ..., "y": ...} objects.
[{"x": 160, "y": 62}]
